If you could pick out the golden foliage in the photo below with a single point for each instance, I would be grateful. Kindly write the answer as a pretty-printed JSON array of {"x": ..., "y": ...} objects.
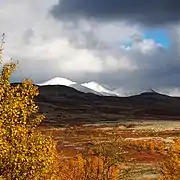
[
  {"x": 102, "y": 161},
  {"x": 151, "y": 145},
  {"x": 25, "y": 154},
  {"x": 171, "y": 168},
  {"x": 90, "y": 167}
]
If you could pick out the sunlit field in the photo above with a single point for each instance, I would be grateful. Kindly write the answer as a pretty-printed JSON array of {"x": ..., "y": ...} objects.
[{"x": 135, "y": 150}]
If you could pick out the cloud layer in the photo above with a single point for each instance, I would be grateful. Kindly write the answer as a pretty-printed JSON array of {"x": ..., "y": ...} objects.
[
  {"x": 148, "y": 12},
  {"x": 83, "y": 49}
]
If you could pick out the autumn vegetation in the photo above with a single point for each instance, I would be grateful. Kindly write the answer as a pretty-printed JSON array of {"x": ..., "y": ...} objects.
[
  {"x": 25, "y": 154},
  {"x": 28, "y": 154},
  {"x": 171, "y": 167}
]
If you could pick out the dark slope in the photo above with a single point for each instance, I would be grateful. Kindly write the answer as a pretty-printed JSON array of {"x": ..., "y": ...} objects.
[{"x": 63, "y": 104}]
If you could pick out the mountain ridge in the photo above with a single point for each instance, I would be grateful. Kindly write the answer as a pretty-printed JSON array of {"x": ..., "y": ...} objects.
[
  {"x": 66, "y": 105},
  {"x": 91, "y": 87}
]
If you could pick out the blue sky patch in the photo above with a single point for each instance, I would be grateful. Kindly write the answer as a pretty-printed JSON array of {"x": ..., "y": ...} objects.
[{"x": 159, "y": 35}]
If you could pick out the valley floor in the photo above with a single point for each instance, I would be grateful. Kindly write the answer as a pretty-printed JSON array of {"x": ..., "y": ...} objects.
[{"x": 142, "y": 144}]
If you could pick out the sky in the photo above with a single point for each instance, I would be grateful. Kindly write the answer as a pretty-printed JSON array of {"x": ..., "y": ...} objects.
[
  {"x": 128, "y": 46},
  {"x": 159, "y": 35}
]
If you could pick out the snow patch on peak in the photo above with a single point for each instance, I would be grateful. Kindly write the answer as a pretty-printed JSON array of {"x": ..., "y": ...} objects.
[
  {"x": 58, "y": 81},
  {"x": 98, "y": 88},
  {"x": 95, "y": 86},
  {"x": 90, "y": 87}
]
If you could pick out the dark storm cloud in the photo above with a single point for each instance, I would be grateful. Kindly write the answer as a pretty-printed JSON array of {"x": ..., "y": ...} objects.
[{"x": 150, "y": 12}]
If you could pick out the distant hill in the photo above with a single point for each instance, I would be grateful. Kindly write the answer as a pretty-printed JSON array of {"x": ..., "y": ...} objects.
[{"x": 66, "y": 105}]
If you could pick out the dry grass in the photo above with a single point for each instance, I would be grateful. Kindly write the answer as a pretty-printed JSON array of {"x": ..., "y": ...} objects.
[{"x": 140, "y": 150}]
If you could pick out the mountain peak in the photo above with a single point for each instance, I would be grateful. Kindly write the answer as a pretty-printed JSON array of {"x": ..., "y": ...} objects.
[
  {"x": 92, "y": 86},
  {"x": 150, "y": 91},
  {"x": 95, "y": 86},
  {"x": 99, "y": 88},
  {"x": 58, "y": 81}
]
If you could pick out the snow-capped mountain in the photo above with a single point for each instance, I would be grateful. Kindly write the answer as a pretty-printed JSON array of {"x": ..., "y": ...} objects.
[
  {"x": 95, "y": 88},
  {"x": 99, "y": 88},
  {"x": 90, "y": 87},
  {"x": 58, "y": 81}
]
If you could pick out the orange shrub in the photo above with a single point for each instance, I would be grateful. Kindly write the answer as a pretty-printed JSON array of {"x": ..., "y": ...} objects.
[
  {"x": 171, "y": 168},
  {"x": 147, "y": 145},
  {"x": 88, "y": 167}
]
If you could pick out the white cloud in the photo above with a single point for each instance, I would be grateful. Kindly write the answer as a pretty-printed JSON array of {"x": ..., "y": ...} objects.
[
  {"x": 47, "y": 48},
  {"x": 170, "y": 91},
  {"x": 34, "y": 36}
]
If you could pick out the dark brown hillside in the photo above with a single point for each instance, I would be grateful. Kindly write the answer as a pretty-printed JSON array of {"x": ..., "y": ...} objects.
[{"x": 63, "y": 104}]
